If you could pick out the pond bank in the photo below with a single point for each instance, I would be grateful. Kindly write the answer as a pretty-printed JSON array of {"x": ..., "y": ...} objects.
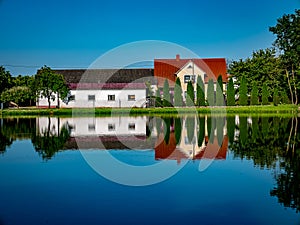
[{"x": 282, "y": 109}]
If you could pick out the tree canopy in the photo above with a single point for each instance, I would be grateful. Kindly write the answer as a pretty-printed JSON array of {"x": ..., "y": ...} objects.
[
  {"x": 5, "y": 79},
  {"x": 50, "y": 85},
  {"x": 287, "y": 32}
]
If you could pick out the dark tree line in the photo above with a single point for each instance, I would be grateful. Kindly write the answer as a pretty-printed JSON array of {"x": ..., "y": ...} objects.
[
  {"x": 274, "y": 71},
  {"x": 24, "y": 90}
]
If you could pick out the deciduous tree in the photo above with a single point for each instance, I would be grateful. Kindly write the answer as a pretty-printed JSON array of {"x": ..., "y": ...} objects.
[
  {"x": 265, "y": 95},
  {"x": 287, "y": 32},
  {"x": 49, "y": 84},
  {"x": 5, "y": 79}
]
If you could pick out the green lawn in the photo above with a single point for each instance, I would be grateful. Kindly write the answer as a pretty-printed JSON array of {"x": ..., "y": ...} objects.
[{"x": 270, "y": 110}]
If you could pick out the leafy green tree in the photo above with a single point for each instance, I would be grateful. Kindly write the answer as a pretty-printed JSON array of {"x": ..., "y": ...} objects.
[
  {"x": 200, "y": 101},
  {"x": 49, "y": 84},
  {"x": 178, "y": 101},
  {"x": 254, "y": 94},
  {"x": 166, "y": 97},
  {"x": 262, "y": 67},
  {"x": 22, "y": 81},
  {"x": 287, "y": 41},
  {"x": 230, "y": 93},
  {"x": 219, "y": 92},
  {"x": 284, "y": 98},
  {"x": 5, "y": 79},
  {"x": 276, "y": 97},
  {"x": 265, "y": 95},
  {"x": 210, "y": 93},
  {"x": 17, "y": 95},
  {"x": 243, "y": 90},
  {"x": 190, "y": 96}
]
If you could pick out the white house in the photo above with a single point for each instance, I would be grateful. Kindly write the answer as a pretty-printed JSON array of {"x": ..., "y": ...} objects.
[{"x": 103, "y": 88}]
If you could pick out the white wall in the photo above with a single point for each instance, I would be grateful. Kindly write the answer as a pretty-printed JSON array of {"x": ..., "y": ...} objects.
[
  {"x": 101, "y": 99},
  {"x": 89, "y": 126}
]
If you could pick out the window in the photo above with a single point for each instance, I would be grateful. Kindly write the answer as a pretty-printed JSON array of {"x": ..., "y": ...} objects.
[
  {"x": 111, "y": 97},
  {"x": 131, "y": 126},
  {"x": 111, "y": 127},
  {"x": 131, "y": 97},
  {"x": 72, "y": 98},
  {"x": 92, "y": 127},
  {"x": 91, "y": 97},
  {"x": 188, "y": 78}
]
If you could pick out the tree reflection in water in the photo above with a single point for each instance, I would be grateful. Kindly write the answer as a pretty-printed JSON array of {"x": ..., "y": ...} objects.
[
  {"x": 51, "y": 139},
  {"x": 273, "y": 143}
]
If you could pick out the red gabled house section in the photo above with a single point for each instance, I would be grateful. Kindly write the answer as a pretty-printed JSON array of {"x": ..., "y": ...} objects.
[{"x": 167, "y": 68}]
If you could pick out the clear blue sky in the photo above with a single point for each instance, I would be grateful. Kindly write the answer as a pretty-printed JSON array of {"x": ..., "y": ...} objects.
[{"x": 62, "y": 33}]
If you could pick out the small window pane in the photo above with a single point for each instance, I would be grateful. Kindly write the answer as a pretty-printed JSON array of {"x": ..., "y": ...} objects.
[
  {"x": 131, "y": 126},
  {"x": 91, "y": 127},
  {"x": 91, "y": 97},
  {"x": 187, "y": 78},
  {"x": 111, "y": 127},
  {"x": 72, "y": 98},
  {"x": 131, "y": 97},
  {"x": 111, "y": 98}
]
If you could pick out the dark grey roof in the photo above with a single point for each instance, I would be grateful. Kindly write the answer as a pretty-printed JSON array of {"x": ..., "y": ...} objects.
[
  {"x": 111, "y": 142},
  {"x": 108, "y": 75}
]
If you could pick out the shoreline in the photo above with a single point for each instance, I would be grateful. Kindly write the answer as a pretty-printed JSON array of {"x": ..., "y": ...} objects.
[{"x": 292, "y": 110}]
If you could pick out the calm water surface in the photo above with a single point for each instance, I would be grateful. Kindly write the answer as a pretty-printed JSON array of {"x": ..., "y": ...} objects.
[{"x": 231, "y": 170}]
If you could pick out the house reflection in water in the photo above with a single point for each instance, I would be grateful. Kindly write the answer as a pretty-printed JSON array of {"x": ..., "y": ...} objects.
[
  {"x": 194, "y": 142},
  {"x": 171, "y": 138}
]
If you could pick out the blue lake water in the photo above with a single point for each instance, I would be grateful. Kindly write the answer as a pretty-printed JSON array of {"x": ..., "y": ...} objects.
[{"x": 231, "y": 173}]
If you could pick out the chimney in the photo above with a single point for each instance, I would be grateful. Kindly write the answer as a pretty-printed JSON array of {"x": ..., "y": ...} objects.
[{"x": 177, "y": 57}]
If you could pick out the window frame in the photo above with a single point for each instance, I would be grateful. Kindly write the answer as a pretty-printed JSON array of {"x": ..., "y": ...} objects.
[
  {"x": 130, "y": 99},
  {"x": 111, "y": 127},
  {"x": 131, "y": 126},
  {"x": 91, "y": 98},
  {"x": 111, "y": 98}
]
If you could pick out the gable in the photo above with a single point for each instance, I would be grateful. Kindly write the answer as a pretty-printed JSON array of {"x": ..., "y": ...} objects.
[{"x": 168, "y": 68}]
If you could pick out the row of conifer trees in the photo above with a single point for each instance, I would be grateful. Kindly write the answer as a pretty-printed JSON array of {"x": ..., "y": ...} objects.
[{"x": 242, "y": 95}]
